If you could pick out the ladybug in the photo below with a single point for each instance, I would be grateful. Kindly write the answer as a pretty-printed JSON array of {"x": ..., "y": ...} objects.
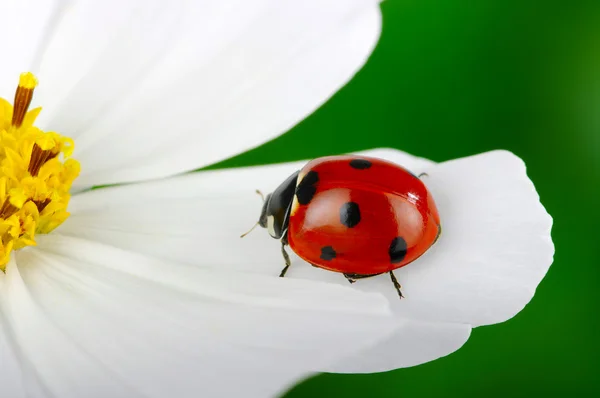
[{"x": 356, "y": 215}]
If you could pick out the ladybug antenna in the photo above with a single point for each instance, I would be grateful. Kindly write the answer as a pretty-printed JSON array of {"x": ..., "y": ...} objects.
[
  {"x": 258, "y": 222},
  {"x": 250, "y": 230},
  {"x": 261, "y": 195}
]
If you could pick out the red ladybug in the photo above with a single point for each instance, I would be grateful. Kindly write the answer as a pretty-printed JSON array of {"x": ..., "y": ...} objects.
[{"x": 355, "y": 215}]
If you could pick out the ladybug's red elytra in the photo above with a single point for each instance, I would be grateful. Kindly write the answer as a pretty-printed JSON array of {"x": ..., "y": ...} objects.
[{"x": 356, "y": 215}]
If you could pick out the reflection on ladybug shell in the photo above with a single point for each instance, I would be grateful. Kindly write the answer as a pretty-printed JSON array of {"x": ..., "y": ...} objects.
[{"x": 360, "y": 215}]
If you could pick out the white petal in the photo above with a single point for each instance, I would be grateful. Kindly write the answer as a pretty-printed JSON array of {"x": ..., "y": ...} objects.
[
  {"x": 415, "y": 343},
  {"x": 157, "y": 88},
  {"x": 11, "y": 374},
  {"x": 133, "y": 326},
  {"x": 46, "y": 348},
  {"x": 494, "y": 250},
  {"x": 23, "y": 24},
  {"x": 17, "y": 378}
]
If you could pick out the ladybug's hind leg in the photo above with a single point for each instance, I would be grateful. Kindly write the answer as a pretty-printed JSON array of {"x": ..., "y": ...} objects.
[
  {"x": 396, "y": 284},
  {"x": 354, "y": 277}
]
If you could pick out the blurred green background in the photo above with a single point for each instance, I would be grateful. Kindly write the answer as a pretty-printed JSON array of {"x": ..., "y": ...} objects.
[{"x": 454, "y": 78}]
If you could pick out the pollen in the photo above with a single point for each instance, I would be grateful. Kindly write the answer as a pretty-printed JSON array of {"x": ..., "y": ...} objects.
[{"x": 36, "y": 173}]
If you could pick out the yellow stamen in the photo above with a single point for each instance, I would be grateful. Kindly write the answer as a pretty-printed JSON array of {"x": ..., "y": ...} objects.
[
  {"x": 23, "y": 96},
  {"x": 7, "y": 209},
  {"x": 28, "y": 80},
  {"x": 38, "y": 158},
  {"x": 35, "y": 174}
]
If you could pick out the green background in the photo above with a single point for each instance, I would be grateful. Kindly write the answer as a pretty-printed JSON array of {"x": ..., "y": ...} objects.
[{"x": 454, "y": 78}]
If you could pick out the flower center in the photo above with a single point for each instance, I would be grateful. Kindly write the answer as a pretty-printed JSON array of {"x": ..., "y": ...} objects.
[{"x": 35, "y": 173}]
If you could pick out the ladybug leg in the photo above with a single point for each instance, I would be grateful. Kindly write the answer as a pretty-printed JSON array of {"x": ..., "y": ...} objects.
[
  {"x": 352, "y": 277},
  {"x": 396, "y": 284},
  {"x": 423, "y": 174},
  {"x": 285, "y": 255},
  {"x": 287, "y": 260}
]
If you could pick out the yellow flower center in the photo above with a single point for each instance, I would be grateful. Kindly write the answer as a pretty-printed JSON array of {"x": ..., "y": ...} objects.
[{"x": 35, "y": 173}]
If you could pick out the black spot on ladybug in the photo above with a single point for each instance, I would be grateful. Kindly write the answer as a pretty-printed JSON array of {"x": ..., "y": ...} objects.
[
  {"x": 305, "y": 193},
  {"x": 350, "y": 214},
  {"x": 311, "y": 178},
  {"x": 306, "y": 189},
  {"x": 360, "y": 164},
  {"x": 397, "y": 250},
  {"x": 327, "y": 253}
]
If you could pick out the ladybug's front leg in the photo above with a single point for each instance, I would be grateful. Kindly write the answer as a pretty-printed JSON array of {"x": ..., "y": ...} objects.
[{"x": 286, "y": 257}]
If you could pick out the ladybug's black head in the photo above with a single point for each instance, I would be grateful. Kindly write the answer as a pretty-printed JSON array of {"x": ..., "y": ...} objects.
[
  {"x": 262, "y": 221},
  {"x": 275, "y": 213}
]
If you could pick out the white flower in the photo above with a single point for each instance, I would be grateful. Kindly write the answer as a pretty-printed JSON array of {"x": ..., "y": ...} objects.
[
  {"x": 147, "y": 90},
  {"x": 494, "y": 250}
]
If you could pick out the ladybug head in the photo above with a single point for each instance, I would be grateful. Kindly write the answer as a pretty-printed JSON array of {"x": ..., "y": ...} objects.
[
  {"x": 275, "y": 213},
  {"x": 262, "y": 220}
]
